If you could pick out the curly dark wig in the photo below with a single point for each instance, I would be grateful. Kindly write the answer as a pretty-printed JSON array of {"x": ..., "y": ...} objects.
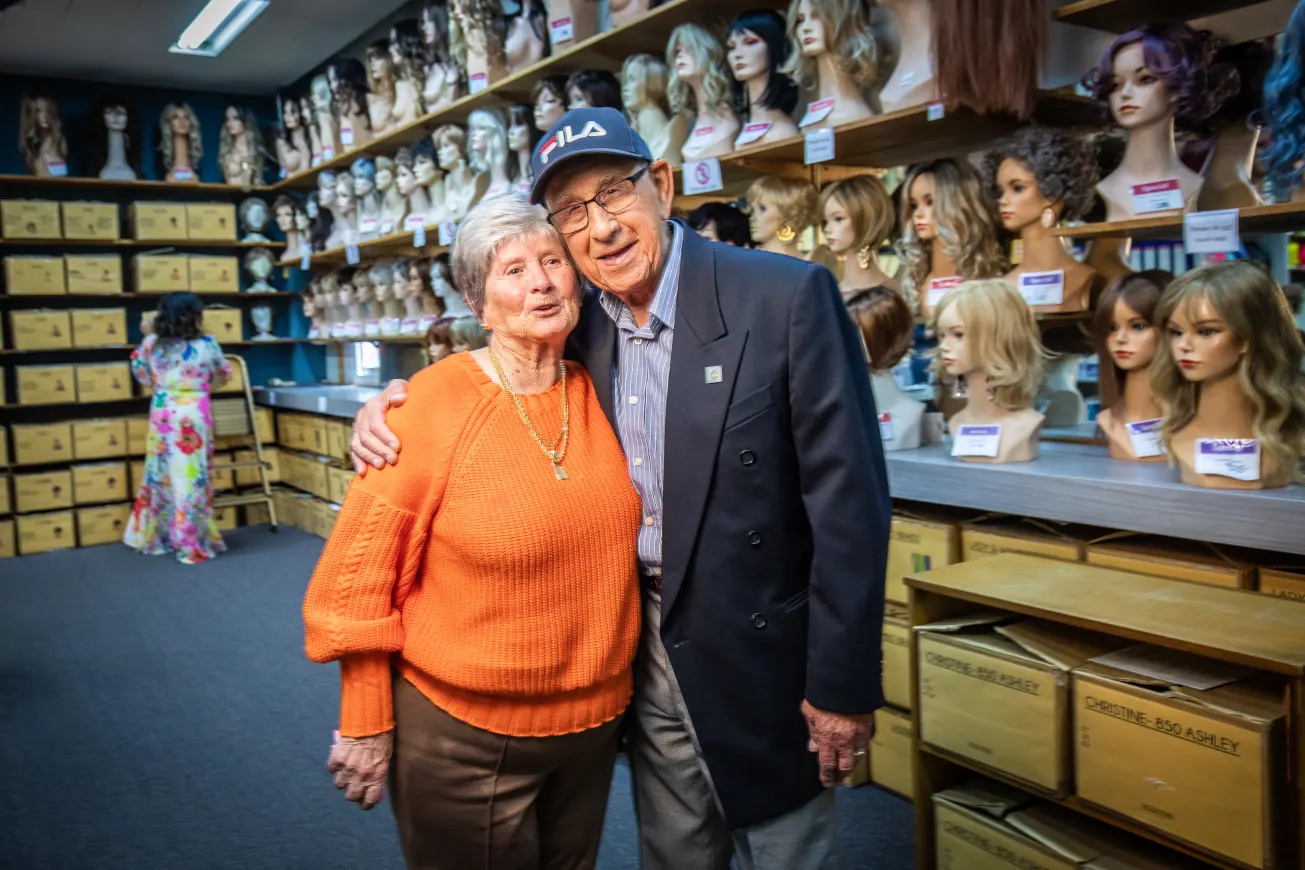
[
  {"x": 180, "y": 316},
  {"x": 1065, "y": 166}
]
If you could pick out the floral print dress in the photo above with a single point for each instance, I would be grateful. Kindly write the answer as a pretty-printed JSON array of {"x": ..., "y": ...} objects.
[{"x": 174, "y": 508}]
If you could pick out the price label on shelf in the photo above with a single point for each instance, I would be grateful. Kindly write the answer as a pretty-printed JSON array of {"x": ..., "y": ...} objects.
[
  {"x": 1212, "y": 232},
  {"x": 58, "y": 169},
  {"x": 351, "y": 255},
  {"x": 448, "y": 230},
  {"x": 478, "y": 82},
  {"x": 818, "y": 145},
  {"x": 368, "y": 226},
  {"x": 935, "y": 111},
  {"x": 183, "y": 174},
  {"x": 702, "y": 176},
  {"x": 886, "y": 427},
  {"x": 419, "y": 237},
  {"x": 938, "y": 288},
  {"x": 1153, "y": 196},
  {"x": 346, "y": 137},
  {"x": 561, "y": 29},
  {"x": 1145, "y": 438},
  {"x": 1238, "y": 458},
  {"x": 412, "y": 221},
  {"x": 1043, "y": 288},
  {"x": 977, "y": 441},
  {"x": 306, "y": 261}
]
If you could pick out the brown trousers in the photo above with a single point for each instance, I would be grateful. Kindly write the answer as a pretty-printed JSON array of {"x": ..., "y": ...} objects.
[{"x": 468, "y": 799}]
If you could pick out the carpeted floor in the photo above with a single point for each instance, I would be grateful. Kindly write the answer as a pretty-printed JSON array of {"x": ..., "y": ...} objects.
[{"x": 155, "y": 715}]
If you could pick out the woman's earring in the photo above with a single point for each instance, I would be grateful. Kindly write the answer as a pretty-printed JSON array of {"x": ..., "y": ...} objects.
[
  {"x": 786, "y": 234},
  {"x": 1048, "y": 218},
  {"x": 863, "y": 257}
]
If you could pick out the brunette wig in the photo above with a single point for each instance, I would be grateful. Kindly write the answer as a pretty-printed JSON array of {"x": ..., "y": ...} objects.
[
  {"x": 437, "y": 13},
  {"x": 731, "y": 223},
  {"x": 414, "y": 54},
  {"x": 988, "y": 54},
  {"x": 1141, "y": 292},
  {"x": 600, "y": 88},
  {"x": 964, "y": 222},
  {"x": 781, "y": 91},
  {"x": 349, "y": 97},
  {"x": 100, "y": 133},
  {"x": 886, "y": 324},
  {"x": 1064, "y": 165}
]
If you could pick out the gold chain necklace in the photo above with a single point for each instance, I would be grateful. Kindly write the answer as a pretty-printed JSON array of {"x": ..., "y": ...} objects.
[{"x": 554, "y": 454}]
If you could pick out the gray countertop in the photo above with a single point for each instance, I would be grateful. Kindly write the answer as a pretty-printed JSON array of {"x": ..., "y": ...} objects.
[{"x": 331, "y": 399}]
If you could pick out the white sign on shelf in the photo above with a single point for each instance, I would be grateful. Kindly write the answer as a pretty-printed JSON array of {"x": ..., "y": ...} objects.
[
  {"x": 751, "y": 133},
  {"x": 885, "y": 426},
  {"x": 702, "y": 176},
  {"x": 1145, "y": 437},
  {"x": 1043, "y": 288},
  {"x": 818, "y": 145},
  {"x": 419, "y": 237},
  {"x": 346, "y": 137},
  {"x": 448, "y": 230},
  {"x": 351, "y": 254},
  {"x": 1212, "y": 232},
  {"x": 478, "y": 82}
]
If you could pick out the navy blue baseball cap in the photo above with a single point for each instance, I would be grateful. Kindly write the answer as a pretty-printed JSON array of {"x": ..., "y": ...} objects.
[{"x": 583, "y": 132}]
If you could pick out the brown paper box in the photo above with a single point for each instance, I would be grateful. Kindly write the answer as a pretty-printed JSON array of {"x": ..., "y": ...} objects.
[
  {"x": 256, "y": 515},
  {"x": 897, "y": 656},
  {"x": 1173, "y": 559},
  {"x": 6, "y": 503},
  {"x": 249, "y": 476},
  {"x": 47, "y": 491},
  {"x": 1283, "y": 582},
  {"x": 161, "y": 273},
  {"x": 96, "y": 221},
  {"x": 8, "y": 548},
  {"x": 99, "y": 274},
  {"x": 891, "y": 759},
  {"x": 157, "y": 221},
  {"x": 103, "y": 382},
  {"x": 99, "y": 327},
  {"x": 40, "y": 533},
  {"x": 34, "y": 276},
  {"x": 30, "y": 219},
  {"x": 337, "y": 483},
  {"x": 42, "y": 443},
  {"x": 41, "y": 329},
  {"x": 211, "y": 221},
  {"x": 4, "y": 444},
  {"x": 46, "y": 385},
  {"x": 137, "y": 473},
  {"x": 94, "y": 484},
  {"x": 921, "y": 539},
  {"x": 214, "y": 274},
  {"x": 338, "y": 436},
  {"x": 224, "y": 518},
  {"x": 99, "y": 439},
  {"x": 102, "y": 525},
  {"x": 265, "y": 421},
  {"x": 993, "y": 535},
  {"x": 138, "y": 431},
  {"x": 223, "y": 478},
  {"x": 224, "y": 324}
]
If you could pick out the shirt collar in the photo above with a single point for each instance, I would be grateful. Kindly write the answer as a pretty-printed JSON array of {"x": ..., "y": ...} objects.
[{"x": 664, "y": 297}]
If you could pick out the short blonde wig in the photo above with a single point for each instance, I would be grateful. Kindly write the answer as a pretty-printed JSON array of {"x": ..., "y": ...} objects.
[
  {"x": 847, "y": 36},
  {"x": 709, "y": 55},
  {"x": 868, "y": 206},
  {"x": 647, "y": 75},
  {"x": 795, "y": 200},
  {"x": 1001, "y": 337}
]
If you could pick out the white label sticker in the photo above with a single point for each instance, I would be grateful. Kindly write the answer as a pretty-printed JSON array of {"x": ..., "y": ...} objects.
[
  {"x": 419, "y": 237},
  {"x": 183, "y": 174},
  {"x": 351, "y": 255},
  {"x": 368, "y": 225},
  {"x": 751, "y": 133},
  {"x": 977, "y": 440},
  {"x": 317, "y": 159},
  {"x": 328, "y": 152},
  {"x": 1043, "y": 288},
  {"x": 478, "y": 82},
  {"x": 58, "y": 169},
  {"x": 561, "y": 29},
  {"x": 1212, "y": 232},
  {"x": 886, "y": 427},
  {"x": 935, "y": 111},
  {"x": 818, "y": 145},
  {"x": 387, "y": 227},
  {"x": 448, "y": 230},
  {"x": 1164, "y": 195},
  {"x": 306, "y": 261},
  {"x": 372, "y": 328},
  {"x": 1238, "y": 458},
  {"x": 346, "y": 136},
  {"x": 816, "y": 112},
  {"x": 412, "y": 221},
  {"x": 1145, "y": 437},
  {"x": 321, "y": 406},
  {"x": 702, "y": 176},
  {"x": 938, "y": 288},
  {"x": 281, "y": 174}
]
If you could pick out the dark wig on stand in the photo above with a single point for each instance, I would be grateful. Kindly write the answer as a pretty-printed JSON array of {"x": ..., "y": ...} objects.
[
  {"x": 1284, "y": 109},
  {"x": 131, "y": 140},
  {"x": 351, "y": 98},
  {"x": 988, "y": 54},
  {"x": 781, "y": 91}
]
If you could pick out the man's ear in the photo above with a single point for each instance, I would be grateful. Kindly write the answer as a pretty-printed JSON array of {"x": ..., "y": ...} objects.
[{"x": 663, "y": 178}]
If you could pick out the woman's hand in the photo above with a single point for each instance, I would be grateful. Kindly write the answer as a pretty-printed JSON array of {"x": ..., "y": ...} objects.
[
  {"x": 373, "y": 442},
  {"x": 360, "y": 765}
]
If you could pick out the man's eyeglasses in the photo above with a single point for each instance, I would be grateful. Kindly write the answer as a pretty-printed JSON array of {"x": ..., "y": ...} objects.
[{"x": 614, "y": 199}]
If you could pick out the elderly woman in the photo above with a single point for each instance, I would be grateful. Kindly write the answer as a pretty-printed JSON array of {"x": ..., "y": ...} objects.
[{"x": 483, "y": 602}]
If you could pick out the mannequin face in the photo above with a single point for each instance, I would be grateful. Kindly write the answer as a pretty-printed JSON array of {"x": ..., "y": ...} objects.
[
  {"x": 478, "y": 138},
  {"x": 325, "y": 189},
  {"x": 115, "y": 118},
  {"x": 765, "y": 220},
  {"x": 362, "y": 287},
  {"x": 334, "y": 81},
  {"x": 301, "y": 221},
  {"x": 425, "y": 170},
  {"x": 749, "y": 56},
  {"x": 290, "y": 114},
  {"x": 382, "y": 288},
  {"x": 1203, "y": 345},
  {"x": 921, "y": 194},
  {"x": 428, "y": 27},
  {"x": 179, "y": 123},
  {"x": 686, "y": 65},
  {"x": 344, "y": 195},
  {"x": 1132, "y": 340},
  {"x": 810, "y": 30},
  {"x": 1020, "y": 201},
  {"x": 437, "y": 281},
  {"x": 548, "y": 110},
  {"x": 838, "y": 226},
  {"x": 380, "y": 66},
  {"x": 260, "y": 267},
  {"x": 952, "y": 350},
  {"x": 436, "y": 351},
  {"x": 406, "y": 180},
  {"x": 322, "y": 100},
  {"x": 345, "y": 296},
  {"x": 576, "y": 99},
  {"x": 256, "y": 216},
  {"x": 1140, "y": 96},
  {"x": 396, "y": 54},
  {"x": 448, "y": 152},
  {"x": 285, "y": 218},
  {"x": 362, "y": 185},
  {"x": 519, "y": 137},
  {"x": 384, "y": 178},
  {"x": 234, "y": 123}
]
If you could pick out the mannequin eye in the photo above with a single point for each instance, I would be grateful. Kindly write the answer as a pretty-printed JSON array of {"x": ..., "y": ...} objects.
[
  {"x": 1207, "y": 331},
  {"x": 1146, "y": 79}
]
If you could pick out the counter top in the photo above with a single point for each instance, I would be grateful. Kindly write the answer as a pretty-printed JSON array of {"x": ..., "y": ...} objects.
[{"x": 333, "y": 400}]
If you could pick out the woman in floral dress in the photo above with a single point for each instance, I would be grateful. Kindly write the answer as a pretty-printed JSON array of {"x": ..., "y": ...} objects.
[{"x": 174, "y": 508}]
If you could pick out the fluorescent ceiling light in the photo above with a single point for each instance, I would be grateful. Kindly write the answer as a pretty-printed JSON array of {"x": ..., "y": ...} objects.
[{"x": 216, "y": 25}]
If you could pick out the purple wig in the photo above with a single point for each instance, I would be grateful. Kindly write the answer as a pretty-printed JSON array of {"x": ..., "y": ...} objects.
[{"x": 1183, "y": 58}]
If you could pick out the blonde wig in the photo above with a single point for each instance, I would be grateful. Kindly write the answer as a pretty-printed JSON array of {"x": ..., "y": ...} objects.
[
  {"x": 30, "y": 135},
  {"x": 963, "y": 221},
  {"x": 1001, "y": 337},
  {"x": 847, "y": 36},
  {"x": 645, "y": 75},
  {"x": 481, "y": 20},
  {"x": 709, "y": 55},
  {"x": 1243, "y": 296},
  {"x": 868, "y": 206},
  {"x": 195, "y": 143},
  {"x": 450, "y": 133},
  {"x": 795, "y": 200},
  {"x": 496, "y": 151},
  {"x": 384, "y": 83}
]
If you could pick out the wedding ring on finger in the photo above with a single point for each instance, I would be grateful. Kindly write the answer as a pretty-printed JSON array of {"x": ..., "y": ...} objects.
[{"x": 858, "y": 753}]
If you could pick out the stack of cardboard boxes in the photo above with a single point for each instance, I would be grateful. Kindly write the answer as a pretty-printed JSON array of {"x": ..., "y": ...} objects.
[{"x": 314, "y": 459}]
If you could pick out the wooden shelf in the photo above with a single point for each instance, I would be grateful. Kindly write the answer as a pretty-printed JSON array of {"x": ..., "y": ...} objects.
[
  {"x": 393, "y": 245},
  {"x": 1279, "y": 217},
  {"x": 41, "y": 301},
  {"x": 1119, "y": 16},
  {"x": 72, "y": 350},
  {"x": 132, "y": 243},
  {"x": 141, "y": 184}
]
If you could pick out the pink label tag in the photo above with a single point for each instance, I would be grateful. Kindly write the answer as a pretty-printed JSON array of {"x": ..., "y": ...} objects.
[
  {"x": 886, "y": 426},
  {"x": 938, "y": 288},
  {"x": 561, "y": 29},
  {"x": 703, "y": 131},
  {"x": 1166, "y": 195},
  {"x": 346, "y": 136},
  {"x": 478, "y": 82},
  {"x": 328, "y": 153},
  {"x": 58, "y": 169},
  {"x": 817, "y": 112},
  {"x": 752, "y": 132}
]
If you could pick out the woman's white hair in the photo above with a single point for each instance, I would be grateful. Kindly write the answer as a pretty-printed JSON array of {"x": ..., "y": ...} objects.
[{"x": 488, "y": 225}]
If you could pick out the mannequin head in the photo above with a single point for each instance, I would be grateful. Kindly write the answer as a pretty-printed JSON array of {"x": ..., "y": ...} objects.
[
  {"x": 384, "y": 173},
  {"x": 989, "y": 54},
  {"x": 345, "y": 201},
  {"x": 1041, "y": 175},
  {"x": 721, "y": 222},
  {"x": 178, "y": 120},
  {"x": 1159, "y": 72},
  {"x": 380, "y": 68},
  {"x": 291, "y": 114},
  {"x": 593, "y": 89},
  {"x": 328, "y": 291},
  {"x": 408, "y": 49},
  {"x": 40, "y": 134},
  {"x": 945, "y": 201},
  {"x": 549, "y": 98},
  {"x": 857, "y": 214},
  {"x": 319, "y": 91},
  {"x": 326, "y": 189},
  {"x": 1230, "y": 320},
  {"x": 480, "y": 25},
  {"x": 259, "y": 262},
  {"x": 364, "y": 177},
  {"x": 381, "y": 278},
  {"x": 284, "y": 211},
  {"x": 362, "y": 285},
  {"x": 348, "y": 81},
  {"x": 522, "y": 134},
  {"x": 439, "y": 341},
  {"x": 839, "y": 28},
  {"x": 1125, "y": 329},
  {"x": 405, "y": 177},
  {"x": 253, "y": 214},
  {"x": 780, "y": 208},
  {"x": 345, "y": 295},
  {"x": 985, "y": 327},
  {"x": 450, "y": 146},
  {"x": 438, "y": 275},
  {"x": 696, "y": 57},
  {"x": 757, "y": 48},
  {"x": 110, "y": 115},
  {"x": 1284, "y": 107},
  {"x": 424, "y": 164},
  {"x": 435, "y": 31},
  {"x": 643, "y": 83},
  {"x": 237, "y": 123},
  {"x": 886, "y": 324},
  {"x": 486, "y": 140}
]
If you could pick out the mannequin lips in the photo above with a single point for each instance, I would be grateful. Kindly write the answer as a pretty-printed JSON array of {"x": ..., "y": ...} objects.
[
  {"x": 1128, "y": 109},
  {"x": 1188, "y": 364},
  {"x": 1123, "y": 354}
]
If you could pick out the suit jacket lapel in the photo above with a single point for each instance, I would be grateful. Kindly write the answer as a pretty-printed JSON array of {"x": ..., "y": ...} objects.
[{"x": 593, "y": 343}]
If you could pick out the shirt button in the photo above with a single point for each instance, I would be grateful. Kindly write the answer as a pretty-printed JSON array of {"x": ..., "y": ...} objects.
[
  {"x": 747, "y": 457},
  {"x": 638, "y": 341},
  {"x": 638, "y": 460},
  {"x": 634, "y": 400},
  {"x": 754, "y": 538},
  {"x": 647, "y": 521},
  {"x": 758, "y": 621}
]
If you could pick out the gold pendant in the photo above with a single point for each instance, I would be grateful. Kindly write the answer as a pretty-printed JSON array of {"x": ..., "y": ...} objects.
[{"x": 559, "y": 471}]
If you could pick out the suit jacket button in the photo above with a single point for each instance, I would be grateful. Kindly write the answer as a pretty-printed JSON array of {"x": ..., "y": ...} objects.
[
  {"x": 747, "y": 457},
  {"x": 758, "y": 621},
  {"x": 754, "y": 538}
]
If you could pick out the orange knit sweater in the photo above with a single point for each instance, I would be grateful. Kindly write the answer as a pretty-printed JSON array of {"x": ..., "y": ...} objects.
[{"x": 508, "y": 597}]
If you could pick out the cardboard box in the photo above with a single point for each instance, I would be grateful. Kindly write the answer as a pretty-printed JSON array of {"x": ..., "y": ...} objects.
[
  {"x": 338, "y": 436},
  {"x": 214, "y": 274},
  {"x": 1204, "y": 766},
  {"x": 47, "y": 491},
  {"x": 256, "y": 515},
  {"x": 892, "y": 765},
  {"x": 224, "y": 324},
  {"x": 99, "y": 327},
  {"x": 42, "y": 443},
  {"x": 897, "y": 656},
  {"x": 999, "y": 694},
  {"x": 4, "y": 444},
  {"x": 211, "y": 221},
  {"x": 99, "y": 439},
  {"x": 157, "y": 221},
  {"x": 1283, "y": 582},
  {"x": 920, "y": 541},
  {"x": 307, "y": 473},
  {"x": 6, "y": 503},
  {"x": 46, "y": 385},
  {"x": 224, "y": 518},
  {"x": 1171, "y": 558},
  {"x": 160, "y": 273},
  {"x": 990, "y": 536},
  {"x": 97, "y": 221},
  {"x": 288, "y": 428},
  {"x": 34, "y": 276},
  {"x": 571, "y": 22},
  {"x": 98, "y": 274},
  {"x": 249, "y": 476},
  {"x": 103, "y": 382},
  {"x": 223, "y": 478},
  {"x": 8, "y": 549},
  {"x": 138, "y": 432},
  {"x": 136, "y": 471},
  {"x": 337, "y": 483},
  {"x": 40, "y": 533},
  {"x": 104, "y": 481},
  {"x": 40, "y": 329},
  {"x": 30, "y": 219},
  {"x": 102, "y": 525},
  {"x": 265, "y": 422}
]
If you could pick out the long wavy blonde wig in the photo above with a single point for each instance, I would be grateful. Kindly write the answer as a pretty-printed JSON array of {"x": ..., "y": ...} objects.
[
  {"x": 647, "y": 76},
  {"x": 709, "y": 56},
  {"x": 847, "y": 36},
  {"x": 30, "y": 135},
  {"x": 195, "y": 142},
  {"x": 963, "y": 220},
  {"x": 1243, "y": 296},
  {"x": 1001, "y": 337}
]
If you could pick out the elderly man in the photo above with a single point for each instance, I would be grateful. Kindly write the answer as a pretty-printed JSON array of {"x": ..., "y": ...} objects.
[{"x": 738, "y": 388}]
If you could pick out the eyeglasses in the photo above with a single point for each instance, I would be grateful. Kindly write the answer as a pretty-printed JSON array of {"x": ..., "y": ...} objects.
[{"x": 614, "y": 200}]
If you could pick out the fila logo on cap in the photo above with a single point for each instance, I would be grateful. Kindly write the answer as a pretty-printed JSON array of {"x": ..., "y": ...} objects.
[{"x": 565, "y": 137}]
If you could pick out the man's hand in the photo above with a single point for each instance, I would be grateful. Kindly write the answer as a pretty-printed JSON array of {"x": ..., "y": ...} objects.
[
  {"x": 373, "y": 443},
  {"x": 360, "y": 765},
  {"x": 840, "y": 739}
]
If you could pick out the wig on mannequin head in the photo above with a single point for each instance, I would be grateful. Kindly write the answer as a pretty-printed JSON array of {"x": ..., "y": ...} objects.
[
  {"x": 781, "y": 91},
  {"x": 599, "y": 88},
  {"x": 383, "y": 84},
  {"x": 847, "y": 36},
  {"x": 645, "y": 79},
  {"x": 988, "y": 54},
  {"x": 349, "y": 97},
  {"x": 194, "y": 140},
  {"x": 253, "y": 140},
  {"x": 319, "y": 88},
  {"x": 1182, "y": 58},
  {"x": 480, "y": 16},
  {"x": 1141, "y": 292},
  {"x": 413, "y": 54},
  {"x": 709, "y": 56},
  {"x": 1245, "y": 298},
  {"x": 963, "y": 221},
  {"x": 490, "y": 120},
  {"x": 436, "y": 12},
  {"x": 30, "y": 135},
  {"x": 886, "y": 324},
  {"x": 538, "y": 18},
  {"x": 1001, "y": 338},
  {"x": 1284, "y": 108},
  {"x": 868, "y": 206},
  {"x": 730, "y": 222},
  {"x": 448, "y": 133},
  {"x": 554, "y": 84},
  {"x": 794, "y": 199},
  {"x": 1065, "y": 167},
  {"x": 132, "y": 139}
]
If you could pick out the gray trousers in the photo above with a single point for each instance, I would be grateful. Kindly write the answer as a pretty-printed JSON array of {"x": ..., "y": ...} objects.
[{"x": 681, "y": 826}]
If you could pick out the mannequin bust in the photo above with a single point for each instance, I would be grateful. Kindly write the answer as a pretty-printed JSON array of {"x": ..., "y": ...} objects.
[
  {"x": 913, "y": 80},
  {"x": 888, "y": 330},
  {"x": 349, "y": 102},
  {"x": 363, "y": 171},
  {"x": 1127, "y": 338},
  {"x": 40, "y": 136},
  {"x": 478, "y": 40},
  {"x": 346, "y": 212},
  {"x": 115, "y": 139},
  {"x": 409, "y": 296},
  {"x": 441, "y": 281},
  {"x": 180, "y": 144},
  {"x": 781, "y": 209},
  {"x": 310, "y": 126},
  {"x": 240, "y": 148},
  {"x": 764, "y": 97},
  {"x": 430, "y": 176},
  {"x": 949, "y": 232},
  {"x": 1230, "y": 385},
  {"x": 327, "y": 302},
  {"x": 527, "y": 35},
  {"x": 837, "y": 59},
  {"x": 324, "y": 120},
  {"x": 294, "y": 150},
  {"x": 253, "y": 217},
  {"x": 443, "y": 78},
  {"x": 625, "y": 12},
  {"x": 286, "y": 211},
  {"x": 308, "y": 302},
  {"x": 643, "y": 90},
  {"x": 408, "y": 53},
  {"x": 1148, "y": 104},
  {"x": 700, "y": 87},
  {"x": 259, "y": 263},
  {"x": 1235, "y": 131},
  {"x": 521, "y": 138},
  {"x": 858, "y": 219},
  {"x": 549, "y": 99},
  {"x": 405, "y": 179},
  {"x": 487, "y": 141},
  {"x": 352, "y": 313},
  {"x": 1042, "y": 176},
  {"x": 988, "y": 345},
  {"x": 462, "y": 186},
  {"x": 422, "y": 273},
  {"x": 305, "y": 218},
  {"x": 394, "y": 205},
  {"x": 393, "y": 101},
  {"x": 365, "y": 299},
  {"x": 388, "y": 308}
]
